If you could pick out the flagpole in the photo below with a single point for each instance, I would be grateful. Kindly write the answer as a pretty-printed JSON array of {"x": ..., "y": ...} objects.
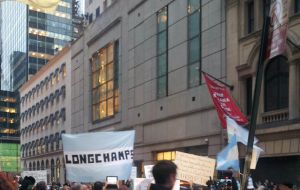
[{"x": 256, "y": 97}]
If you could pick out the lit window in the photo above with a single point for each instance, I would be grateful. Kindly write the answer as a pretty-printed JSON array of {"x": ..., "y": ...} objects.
[
  {"x": 105, "y": 82},
  {"x": 170, "y": 155}
]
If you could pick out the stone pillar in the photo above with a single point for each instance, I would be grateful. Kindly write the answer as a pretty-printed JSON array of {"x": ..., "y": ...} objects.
[{"x": 293, "y": 91}]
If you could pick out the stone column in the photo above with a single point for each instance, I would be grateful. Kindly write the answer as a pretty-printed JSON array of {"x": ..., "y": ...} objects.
[{"x": 293, "y": 91}]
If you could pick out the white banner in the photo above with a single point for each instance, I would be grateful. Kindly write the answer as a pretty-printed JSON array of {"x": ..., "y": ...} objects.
[
  {"x": 92, "y": 157},
  {"x": 40, "y": 175}
]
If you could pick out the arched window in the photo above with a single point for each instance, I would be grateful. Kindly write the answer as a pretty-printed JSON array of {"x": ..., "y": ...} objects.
[
  {"x": 33, "y": 166},
  {"x": 30, "y": 166},
  {"x": 52, "y": 170},
  {"x": 25, "y": 166},
  {"x": 42, "y": 165},
  {"x": 47, "y": 164},
  {"x": 57, "y": 169},
  {"x": 276, "y": 84},
  {"x": 38, "y": 166}
]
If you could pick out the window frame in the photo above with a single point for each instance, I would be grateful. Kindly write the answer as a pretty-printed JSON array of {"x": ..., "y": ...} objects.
[
  {"x": 114, "y": 80},
  {"x": 159, "y": 54},
  {"x": 189, "y": 40}
]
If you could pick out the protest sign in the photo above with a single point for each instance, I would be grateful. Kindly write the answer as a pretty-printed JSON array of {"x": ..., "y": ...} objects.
[
  {"x": 148, "y": 171},
  {"x": 92, "y": 157},
  {"x": 133, "y": 174},
  {"x": 197, "y": 169},
  {"x": 40, "y": 175}
]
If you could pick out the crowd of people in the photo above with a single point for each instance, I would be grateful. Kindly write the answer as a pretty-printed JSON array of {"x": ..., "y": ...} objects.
[{"x": 164, "y": 173}]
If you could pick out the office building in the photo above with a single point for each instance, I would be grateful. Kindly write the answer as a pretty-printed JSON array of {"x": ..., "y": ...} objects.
[
  {"x": 137, "y": 67},
  {"x": 36, "y": 35},
  {"x": 9, "y": 132},
  {"x": 45, "y": 116}
]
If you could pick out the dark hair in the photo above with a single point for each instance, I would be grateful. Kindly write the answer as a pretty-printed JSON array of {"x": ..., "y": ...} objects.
[
  {"x": 41, "y": 186},
  {"x": 98, "y": 185},
  {"x": 162, "y": 171},
  {"x": 26, "y": 182}
]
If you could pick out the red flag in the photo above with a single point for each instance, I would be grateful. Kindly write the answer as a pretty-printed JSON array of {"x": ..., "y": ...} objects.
[
  {"x": 278, "y": 28},
  {"x": 224, "y": 104}
]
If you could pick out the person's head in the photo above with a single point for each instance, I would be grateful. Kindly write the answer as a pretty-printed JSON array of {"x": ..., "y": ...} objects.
[
  {"x": 6, "y": 183},
  {"x": 164, "y": 173},
  {"x": 76, "y": 186},
  {"x": 98, "y": 185},
  {"x": 84, "y": 187},
  {"x": 27, "y": 183},
  {"x": 123, "y": 187},
  {"x": 41, "y": 186}
]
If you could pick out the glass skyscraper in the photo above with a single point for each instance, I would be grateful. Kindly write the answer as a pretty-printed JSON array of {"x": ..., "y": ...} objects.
[{"x": 30, "y": 38}]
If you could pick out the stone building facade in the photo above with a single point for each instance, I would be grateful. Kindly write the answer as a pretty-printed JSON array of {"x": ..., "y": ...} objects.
[
  {"x": 136, "y": 67},
  {"x": 278, "y": 118},
  {"x": 45, "y": 116}
]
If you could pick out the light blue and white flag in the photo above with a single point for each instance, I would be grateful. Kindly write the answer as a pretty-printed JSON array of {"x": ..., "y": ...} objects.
[
  {"x": 229, "y": 157},
  {"x": 241, "y": 133},
  {"x": 91, "y": 157}
]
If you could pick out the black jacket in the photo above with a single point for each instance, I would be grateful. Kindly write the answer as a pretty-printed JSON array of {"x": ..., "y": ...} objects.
[{"x": 158, "y": 187}]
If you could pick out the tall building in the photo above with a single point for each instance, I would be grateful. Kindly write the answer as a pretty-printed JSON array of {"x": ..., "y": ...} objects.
[
  {"x": 9, "y": 132},
  {"x": 137, "y": 68},
  {"x": 37, "y": 35},
  {"x": 45, "y": 116}
]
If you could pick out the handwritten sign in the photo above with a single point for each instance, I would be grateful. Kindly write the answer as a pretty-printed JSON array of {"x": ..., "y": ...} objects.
[
  {"x": 148, "y": 171},
  {"x": 40, "y": 175},
  {"x": 194, "y": 168}
]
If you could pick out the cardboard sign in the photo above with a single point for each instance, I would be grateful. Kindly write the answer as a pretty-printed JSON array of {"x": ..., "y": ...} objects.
[
  {"x": 40, "y": 175},
  {"x": 148, "y": 171},
  {"x": 133, "y": 174},
  {"x": 194, "y": 168}
]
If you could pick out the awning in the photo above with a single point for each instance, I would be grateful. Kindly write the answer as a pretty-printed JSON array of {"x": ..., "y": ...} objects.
[
  {"x": 56, "y": 94},
  {"x": 42, "y": 103},
  {"x": 51, "y": 97},
  {"x": 46, "y": 80},
  {"x": 42, "y": 84},
  {"x": 29, "y": 128},
  {"x": 33, "y": 90},
  {"x": 22, "y": 99},
  {"x": 26, "y": 129},
  {"x": 37, "y": 87},
  {"x": 34, "y": 126}
]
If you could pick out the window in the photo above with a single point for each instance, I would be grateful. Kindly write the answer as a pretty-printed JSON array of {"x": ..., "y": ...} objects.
[
  {"x": 162, "y": 52},
  {"x": 98, "y": 12},
  {"x": 276, "y": 85},
  {"x": 249, "y": 95},
  {"x": 105, "y": 82},
  {"x": 91, "y": 18},
  {"x": 297, "y": 6},
  {"x": 250, "y": 16},
  {"x": 166, "y": 155},
  {"x": 194, "y": 40}
]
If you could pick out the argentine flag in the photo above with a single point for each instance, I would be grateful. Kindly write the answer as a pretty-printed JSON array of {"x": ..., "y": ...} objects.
[
  {"x": 229, "y": 156},
  {"x": 241, "y": 133}
]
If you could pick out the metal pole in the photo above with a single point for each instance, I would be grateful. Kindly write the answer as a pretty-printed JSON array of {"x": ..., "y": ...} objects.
[{"x": 254, "y": 109}]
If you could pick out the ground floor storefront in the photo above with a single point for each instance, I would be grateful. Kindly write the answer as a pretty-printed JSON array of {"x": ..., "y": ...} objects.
[{"x": 280, "y": 170}]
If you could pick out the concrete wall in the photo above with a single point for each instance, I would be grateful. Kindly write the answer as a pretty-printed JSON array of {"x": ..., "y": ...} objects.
[{"x": 185, "y": 117}]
